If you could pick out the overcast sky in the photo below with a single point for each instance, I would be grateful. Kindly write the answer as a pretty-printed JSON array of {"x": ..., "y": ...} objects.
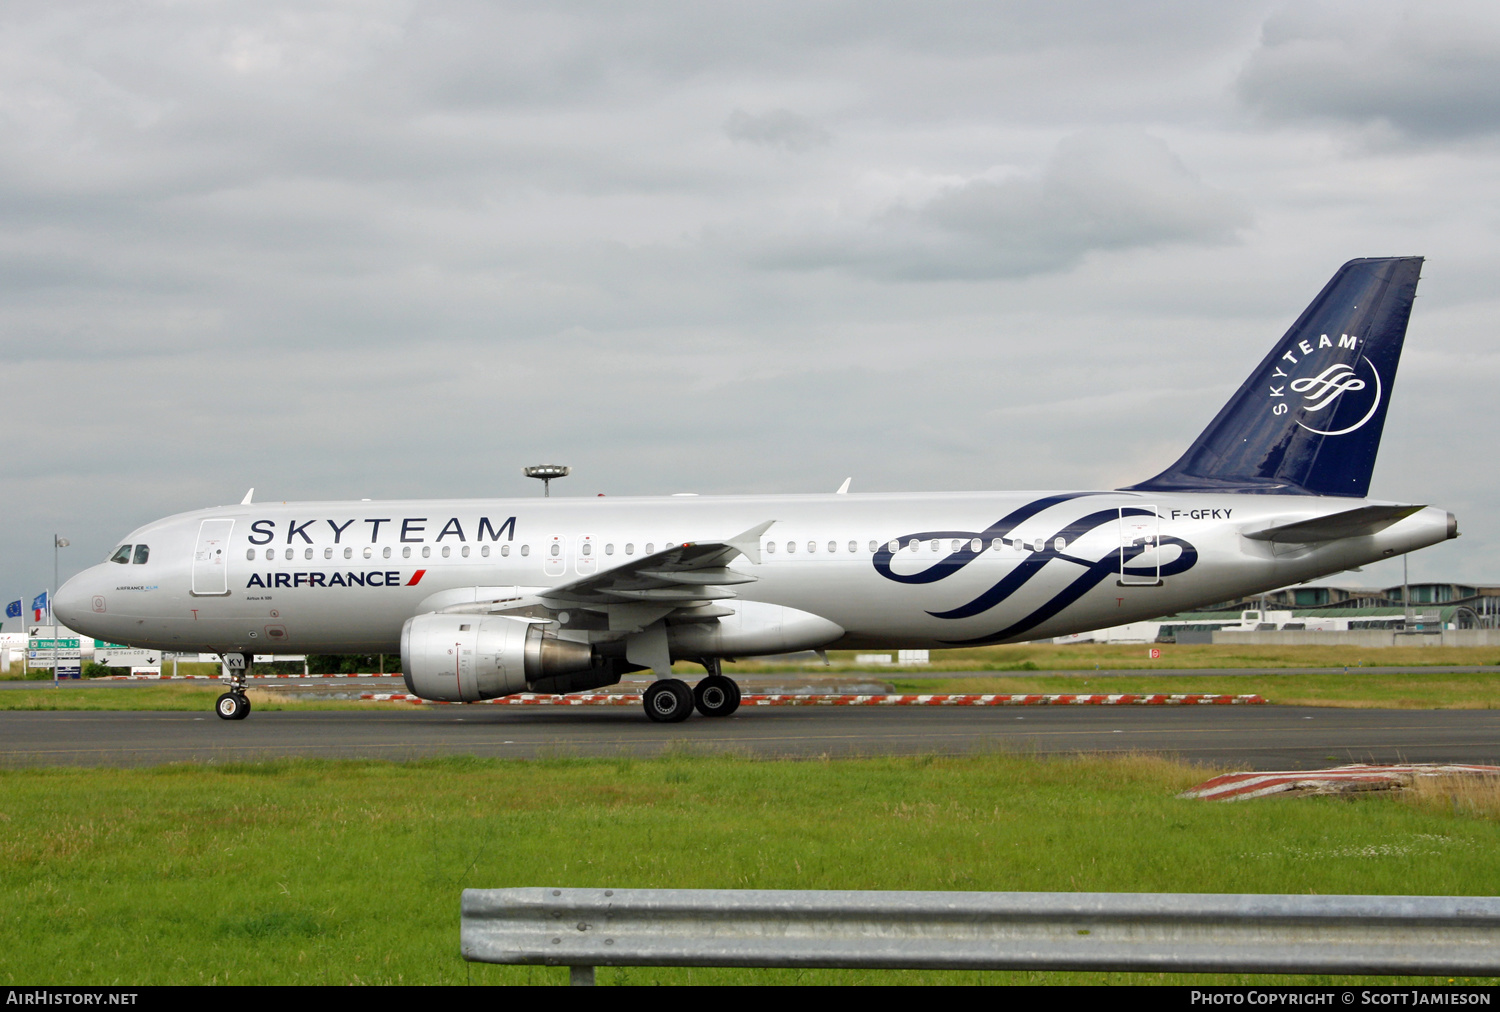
[{"x": 345, "y": 250}]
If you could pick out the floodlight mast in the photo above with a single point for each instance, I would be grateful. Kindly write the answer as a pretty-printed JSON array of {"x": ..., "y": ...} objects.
[{"x": 546, "y": 472}]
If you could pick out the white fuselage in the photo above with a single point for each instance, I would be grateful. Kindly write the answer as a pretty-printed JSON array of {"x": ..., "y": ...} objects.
[{"x": 343, "y": 577}]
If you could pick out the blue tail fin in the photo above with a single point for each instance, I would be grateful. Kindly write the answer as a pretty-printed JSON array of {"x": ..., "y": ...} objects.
[{"x": 1309, "y": 418}]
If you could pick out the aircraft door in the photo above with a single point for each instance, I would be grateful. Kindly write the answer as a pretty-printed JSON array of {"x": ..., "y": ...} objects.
[
  {"x": 586, "y": 563},
  {"x": 211, "y": 558},
  {"x": 555, "y": 556},
  {"x": 1140, "y": 547}
]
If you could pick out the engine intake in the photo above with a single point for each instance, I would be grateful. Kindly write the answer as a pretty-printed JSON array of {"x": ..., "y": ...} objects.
[{"x": 465, "y": 658}]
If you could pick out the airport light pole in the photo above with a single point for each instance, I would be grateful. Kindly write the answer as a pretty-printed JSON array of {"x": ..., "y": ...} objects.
[
  {"x": 57, "y": 543},
  {"x": 546, "y": 472}
]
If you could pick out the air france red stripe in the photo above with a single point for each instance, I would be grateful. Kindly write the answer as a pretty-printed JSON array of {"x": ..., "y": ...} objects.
[{"x": 416, "y": 577}]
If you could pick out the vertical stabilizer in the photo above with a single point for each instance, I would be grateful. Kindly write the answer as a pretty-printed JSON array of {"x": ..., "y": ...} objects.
[{"x": 1309, "y": 418}]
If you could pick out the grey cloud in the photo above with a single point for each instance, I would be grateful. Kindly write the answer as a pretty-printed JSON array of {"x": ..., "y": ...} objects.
[
  {"x": 1424, "y": 69},
  {"x": 1107, "y": 189},
  {"x": 779, "y": 128}
]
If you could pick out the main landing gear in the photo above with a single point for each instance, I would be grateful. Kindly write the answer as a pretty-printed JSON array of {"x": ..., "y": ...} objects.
[
  {"x": 234, "y": 704},
  {"x": 669, "y": 700}
]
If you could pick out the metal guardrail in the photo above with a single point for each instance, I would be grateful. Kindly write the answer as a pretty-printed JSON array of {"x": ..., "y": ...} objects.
[{"x": 1176, "y": 932}]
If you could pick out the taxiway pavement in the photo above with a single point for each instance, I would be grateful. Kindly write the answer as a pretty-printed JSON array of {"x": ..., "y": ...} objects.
[{"x": 1242, "y": 737}]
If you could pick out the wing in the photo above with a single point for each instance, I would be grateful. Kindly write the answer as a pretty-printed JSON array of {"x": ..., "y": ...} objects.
[{"x": 695, "y": 572}]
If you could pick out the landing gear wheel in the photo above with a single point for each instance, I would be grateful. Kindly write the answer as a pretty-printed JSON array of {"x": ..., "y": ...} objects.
[
  {"x": 232, "y": 706},
  {"x": 669, "y": 701},
  {"x": 716, "y": 696}
]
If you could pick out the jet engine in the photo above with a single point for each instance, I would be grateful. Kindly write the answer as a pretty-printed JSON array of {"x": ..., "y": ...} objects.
[{"x": 471, "y": 657}]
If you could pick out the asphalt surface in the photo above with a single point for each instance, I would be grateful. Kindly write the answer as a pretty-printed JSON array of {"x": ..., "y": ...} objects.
[{"x": 1243, "y": 737}]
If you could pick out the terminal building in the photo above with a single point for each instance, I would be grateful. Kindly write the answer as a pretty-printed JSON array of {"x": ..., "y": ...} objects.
[{"x": 1441, "y": 614}]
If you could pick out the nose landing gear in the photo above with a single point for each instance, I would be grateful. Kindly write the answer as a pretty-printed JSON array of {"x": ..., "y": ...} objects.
[{"x": 234, "y": 704}]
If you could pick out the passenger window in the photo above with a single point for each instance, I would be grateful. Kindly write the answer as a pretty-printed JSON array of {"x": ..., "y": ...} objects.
[
  {"x": 915, "y": 544},
  {"x": 385, "y": 553},
  {"x": 142, "y": 553},
  {"x": 484, "y": 550},
  {"x": 505, "y": 550},
  {"x": 447, "y": 551},
  {"x": 1059, "y": 544},
  {"x": 426, "y": 551},
  {"x": 328, "y": 553},
  {"x": 996, "y": 544},
  {"x": 348, "y": 553},
  {"x": 270, "y": 553},
  {"x": 771, "y": 547},
  {"x": 833, "y": 546},
  {"x": 250, "y": 553},
  {"x": 307, "y": 554},
  {"x": 650, "y": 548},
  {"x": 791, "y": 547},
  {"x": 976, "y": 546},
  {"x": 629, "y": 548},
  {"x": 894, "y": 546},
  {"x": 812, "y": 546},
  {"x": 464, "y": 551},
  {"x": 122, "y": 555},
  {"x": 368, "y": 552},
  {"x": 406, "y": 551},
  {"x": 587, "y": 549},
  {"x": 854, "y": 547},
  {"x": 933, "y": 544},
  {"x": 525, "y": 549},
  {"x": 609, "y": 549},
  {"x": 556, "y": 549}
]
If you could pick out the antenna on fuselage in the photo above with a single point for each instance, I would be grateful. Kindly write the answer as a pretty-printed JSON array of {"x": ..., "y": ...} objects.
[{"x": 546, "y": 472}]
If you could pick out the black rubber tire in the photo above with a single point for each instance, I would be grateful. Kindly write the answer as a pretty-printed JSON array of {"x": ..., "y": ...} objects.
[
  {"x": 231, "y": 706},
  {"x": 668, "y": 701},
  {"x": 716, "y": 696}
]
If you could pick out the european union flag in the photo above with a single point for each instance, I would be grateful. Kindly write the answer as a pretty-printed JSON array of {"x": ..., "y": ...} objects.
[{"x": 13, "y": 610}]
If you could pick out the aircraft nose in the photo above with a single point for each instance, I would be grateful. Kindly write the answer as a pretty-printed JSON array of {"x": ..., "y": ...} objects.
[{"x": 73, "y": 602}]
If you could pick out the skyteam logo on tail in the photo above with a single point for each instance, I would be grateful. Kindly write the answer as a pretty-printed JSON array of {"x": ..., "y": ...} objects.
[{"x": 1318, "y": 379}]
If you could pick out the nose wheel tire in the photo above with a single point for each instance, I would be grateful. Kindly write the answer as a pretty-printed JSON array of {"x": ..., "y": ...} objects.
[
  {"x": 716, "y": 696},
  {"x": 232, "y": 706},
  {"x": 669, "y": 701}
]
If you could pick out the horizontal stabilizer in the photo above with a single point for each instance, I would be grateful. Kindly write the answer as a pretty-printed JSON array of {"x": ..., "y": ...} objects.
[{"x": 1336, "y": 526}]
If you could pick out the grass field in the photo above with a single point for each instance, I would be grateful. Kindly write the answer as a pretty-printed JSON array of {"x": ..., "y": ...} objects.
[
  {"x": 349, "y": 872},
  {"x": 1438, "y": 690},
  {"x": 1129, "y": 656}
]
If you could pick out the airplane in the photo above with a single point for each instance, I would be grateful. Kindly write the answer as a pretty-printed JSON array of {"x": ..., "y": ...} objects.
[{"x": 485, "y": 598}]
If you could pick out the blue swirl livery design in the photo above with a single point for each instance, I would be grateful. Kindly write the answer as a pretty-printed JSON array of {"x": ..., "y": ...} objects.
[{"x": 1083, "y": 574}]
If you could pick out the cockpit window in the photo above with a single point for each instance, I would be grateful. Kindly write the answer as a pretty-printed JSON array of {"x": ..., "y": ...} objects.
[
  {"x": 122, "y": 555},
  {"x": 142, "y": 553}
]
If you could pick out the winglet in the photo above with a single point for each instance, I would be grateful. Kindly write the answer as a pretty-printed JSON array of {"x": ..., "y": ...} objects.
[
  {"x": 248, "y": 495},
  {"x": 748, "y": 543},
  {"x": 844, "y": 488}
]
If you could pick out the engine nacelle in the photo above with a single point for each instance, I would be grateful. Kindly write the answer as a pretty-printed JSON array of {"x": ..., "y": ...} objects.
[{"x": 464, "y": 658}]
